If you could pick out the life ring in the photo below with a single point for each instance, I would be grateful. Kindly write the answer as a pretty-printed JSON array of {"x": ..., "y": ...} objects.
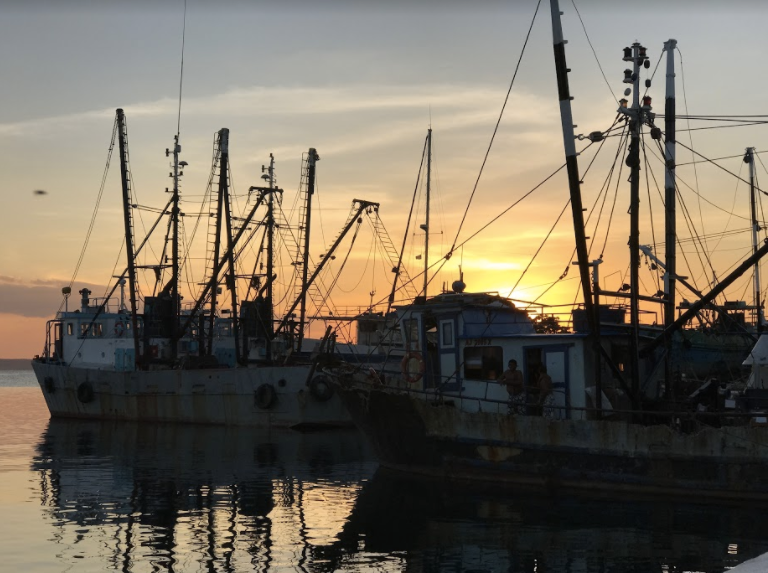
[
  {"x": 320, "y": 388},
  {"x": 410, "y": 374},
  {"x": 119, "y": 329},
  {"x": 48, "y": 384},
  {"x": 85, "y": 392},
  {"x": 265, "y": 396}
]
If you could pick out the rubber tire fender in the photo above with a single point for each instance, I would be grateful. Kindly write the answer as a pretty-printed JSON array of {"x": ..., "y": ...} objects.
[
  {"x": 321, "y": 388},
  {"x": 85, "y": 392},
  {"x": 265, "y": 396},
  {"x": 49, "y": 385}
]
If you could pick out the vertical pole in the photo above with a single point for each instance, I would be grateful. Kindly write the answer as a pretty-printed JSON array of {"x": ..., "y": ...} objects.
[
  {"x": 757, "y": 302},
  {"x": 426, "y": 226},
  {"x": 127, "y": 206},
  {"x": 175, "y": 250},
  {"x": 232, "y": 276},
  {"x": 270, "y": 251},
  {"x": 670, "y": 207},
  {"x": 574, "y": 183},
  {"x": 633, "y": 160},
  {"x": 312, "y": 158},
  {"x": 572, "y": 162},
  {"x": 223, "y": 145}
]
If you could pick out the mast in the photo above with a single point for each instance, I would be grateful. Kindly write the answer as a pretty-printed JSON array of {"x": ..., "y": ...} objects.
[
  {"x": 223, "y": 147},
  {"x": 670, "y": 206},
  {"x": 358, "y": 206},
  {"x": 175, "y": 247},
  {"x": 230, "y": 254},
  {"x": 270, "y": 250},
  {"x": 270, "y": 227},
  {"x": 750, "y": 159},
  {"x": 637, "y": 55},
  {"x": 312, "y": 159},
  {"x": 127, "y": 206},
  {"x": 572, "y": 165},
  {"x": 426, "y": 225}
]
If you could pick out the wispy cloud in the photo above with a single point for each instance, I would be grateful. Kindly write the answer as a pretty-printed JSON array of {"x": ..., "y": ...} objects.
[{"x": 477, "y": 104}]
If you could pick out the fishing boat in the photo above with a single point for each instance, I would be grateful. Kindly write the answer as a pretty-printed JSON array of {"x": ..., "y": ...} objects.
[
  {"x": 606, "y": 405},
  {"x": 223, "y": 358}
]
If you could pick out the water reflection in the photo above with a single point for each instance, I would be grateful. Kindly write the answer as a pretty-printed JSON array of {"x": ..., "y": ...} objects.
[
  {"x": 164, "y": 497},
  {"x": 442, "y": 528},
  {"x": 184, "y": 498}
]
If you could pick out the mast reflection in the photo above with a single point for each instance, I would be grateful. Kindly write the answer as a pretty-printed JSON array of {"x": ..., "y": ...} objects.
[
  {"x": 434, "y": 527},
  {"x": 169, "y": 497}
]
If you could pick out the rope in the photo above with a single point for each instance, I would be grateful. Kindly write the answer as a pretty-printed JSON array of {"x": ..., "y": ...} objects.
[
  {"x": 591, "y": 47},
  {"x": 96, "y": 207},
  {"x": 495, "y": 129}
]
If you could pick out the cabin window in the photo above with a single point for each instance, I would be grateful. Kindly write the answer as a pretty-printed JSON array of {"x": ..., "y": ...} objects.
[
  {"x": 83, "y": 329},
  {"x": 70, "y": 329},
  {"x": 483, "y": 362},
  {"x": 98, "y": 329},
  {"x": 446, "y": 334}
]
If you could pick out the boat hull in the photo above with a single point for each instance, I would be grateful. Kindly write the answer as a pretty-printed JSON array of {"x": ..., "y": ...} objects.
[
  {"x": 229, "y": 396},
  {"x": 437, "y": 439}
]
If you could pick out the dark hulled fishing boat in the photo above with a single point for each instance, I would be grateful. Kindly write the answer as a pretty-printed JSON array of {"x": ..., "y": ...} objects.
[{"x": 603, "y": 406}]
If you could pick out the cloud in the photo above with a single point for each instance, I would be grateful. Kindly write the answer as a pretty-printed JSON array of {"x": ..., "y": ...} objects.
[
  {"x": 479, "y": 103},
  {"x": 37, "y": 298}
]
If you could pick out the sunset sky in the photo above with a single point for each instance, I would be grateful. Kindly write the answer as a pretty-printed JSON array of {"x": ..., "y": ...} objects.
[{"x": 361, "y": 82}]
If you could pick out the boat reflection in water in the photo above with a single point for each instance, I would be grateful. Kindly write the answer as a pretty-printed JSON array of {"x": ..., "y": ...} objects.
[
  {"x": 187, "y": 498},
  {"x": 445, "y": 528},
  {"x": 197, "y": 498}
]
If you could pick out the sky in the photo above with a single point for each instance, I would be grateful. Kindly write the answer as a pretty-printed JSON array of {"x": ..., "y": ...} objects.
[{"x": 361, "y": 82}]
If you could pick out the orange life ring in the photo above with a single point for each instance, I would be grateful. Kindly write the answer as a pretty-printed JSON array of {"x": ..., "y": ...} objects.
[
  {"x": 412, "y": 376},
  {"x": 119, "y": 329}
]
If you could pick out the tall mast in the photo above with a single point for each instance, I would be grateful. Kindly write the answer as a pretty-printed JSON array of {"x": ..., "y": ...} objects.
[
  {"x": 232, "y": 276},
  {"x": 270, "y": 227},
  {"x": 572, "y": 165},
  {"x": 670, "y": 206},
  {"x": 270, "y": 250},
  {"x": 312, "y": 158},
  {"x": 127, "y": 206},
  {"x": 757, "y": 302},
  {"x": 175, "y": 247},
  {"x": 637, "y": 55},
  {"x": 223, "y": 136},
  {"x": 426, "y": 225}
]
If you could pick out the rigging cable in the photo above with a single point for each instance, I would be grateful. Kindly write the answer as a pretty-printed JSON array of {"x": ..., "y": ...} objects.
[
  {"x": 95, "y": 209},
  {"x": 495, "y": 130},
  {"x": 541, "y": 246},
  {"x": 690, "y": 137},
  {"x": 583, "y": 27},
  {"x": 650, "y": 209}
]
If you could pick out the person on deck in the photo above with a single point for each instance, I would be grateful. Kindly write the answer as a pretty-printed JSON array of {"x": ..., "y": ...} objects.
[
  {"x": 546, "y": 401},
  {"x": 513, "y": 379}
]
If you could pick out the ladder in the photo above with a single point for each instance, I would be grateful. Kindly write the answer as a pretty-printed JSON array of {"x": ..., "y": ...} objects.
[{"x": 408, "y": 290}]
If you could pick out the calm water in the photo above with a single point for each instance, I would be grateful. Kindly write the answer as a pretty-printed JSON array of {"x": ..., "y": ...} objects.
[{"x": 80, "y": 496}]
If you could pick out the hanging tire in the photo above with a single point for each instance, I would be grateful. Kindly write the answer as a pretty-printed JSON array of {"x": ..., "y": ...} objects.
[
  {"x": 320, "y": 388},
  {"x": 85, "y": 392},
  {"x": 265, "y": 397},
  {"x": 49, "y": 385}
]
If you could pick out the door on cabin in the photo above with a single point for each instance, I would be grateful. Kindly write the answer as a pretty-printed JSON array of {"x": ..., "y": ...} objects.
[{"x": 555, "y": 359}]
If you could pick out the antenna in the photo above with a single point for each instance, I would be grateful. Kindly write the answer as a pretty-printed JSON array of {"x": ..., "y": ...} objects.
[{"x": 181, "y": 73}]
